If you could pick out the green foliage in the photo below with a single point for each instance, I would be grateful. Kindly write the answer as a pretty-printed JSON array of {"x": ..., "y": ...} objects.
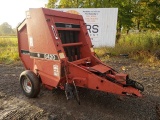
[
  {"x": 139, "y": 46},
  {"x": 8, "y": 49},
  {"x": 6, "y": 29},
  {"x": 132, "y": 14},
  {"x": 51, "y": 3},
  {"x": 141, "y": 41},
  {"x": 147, "y": 14}
]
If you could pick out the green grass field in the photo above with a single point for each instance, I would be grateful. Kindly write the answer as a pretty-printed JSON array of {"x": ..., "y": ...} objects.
[
  {"x": 8, "y": 49},
  {"x": 139, "y": 46}
]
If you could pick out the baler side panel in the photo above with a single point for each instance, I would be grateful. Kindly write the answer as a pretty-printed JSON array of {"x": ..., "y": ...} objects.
[
  {"x": 24, "y": 48},
  {"x": 49, "y": 75},
  {"x": 44, "y": 48},
  {"x": 84, "y": 37},
  {"x": 40, "y": 30}
]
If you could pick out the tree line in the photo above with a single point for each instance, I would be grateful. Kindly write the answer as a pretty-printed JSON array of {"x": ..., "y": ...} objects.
[
  {"x": 6, "y": 29},
  {"x": 138, "y": 15}
]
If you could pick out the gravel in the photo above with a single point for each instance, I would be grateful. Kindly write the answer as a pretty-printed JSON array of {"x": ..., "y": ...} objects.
[{"x": 94, "y": 105}]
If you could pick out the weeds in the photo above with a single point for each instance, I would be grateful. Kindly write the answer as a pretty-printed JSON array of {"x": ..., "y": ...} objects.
[{"x": 140, "y": 46}]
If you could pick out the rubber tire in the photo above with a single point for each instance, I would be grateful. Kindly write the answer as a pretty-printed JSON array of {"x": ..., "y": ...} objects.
[{"x": 35, "y": 89}]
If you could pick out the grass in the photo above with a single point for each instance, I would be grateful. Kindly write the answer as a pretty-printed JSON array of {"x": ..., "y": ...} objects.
[
  {"x": 140, "y": 47},
  {"x": 8, "y": 49}
]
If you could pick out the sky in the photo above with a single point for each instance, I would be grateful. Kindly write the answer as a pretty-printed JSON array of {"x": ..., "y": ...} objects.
[{"x": 13, "y": 11}]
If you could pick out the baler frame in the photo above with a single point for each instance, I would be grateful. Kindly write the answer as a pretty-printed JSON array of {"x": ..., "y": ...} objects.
[{"x": 61, "y": 55}]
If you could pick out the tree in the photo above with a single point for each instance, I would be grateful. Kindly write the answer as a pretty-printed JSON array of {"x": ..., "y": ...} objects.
[
  {"x": 52, "y": 3},
  {"x": 153, "y": 14},
  {"x": 6, "y": 29},
  {"x": 132, "y": 14},
  {"x": 125, "y": 14},
  {"x": 125, "y": 6},
  {"x": 147, "y": 14}
]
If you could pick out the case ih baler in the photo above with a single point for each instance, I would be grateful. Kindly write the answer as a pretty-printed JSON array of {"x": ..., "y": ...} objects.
[{"x": 57, "y": 52}]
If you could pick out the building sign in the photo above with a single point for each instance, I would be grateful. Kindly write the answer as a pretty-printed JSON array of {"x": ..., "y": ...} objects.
[{"x": 100, "y": 22}]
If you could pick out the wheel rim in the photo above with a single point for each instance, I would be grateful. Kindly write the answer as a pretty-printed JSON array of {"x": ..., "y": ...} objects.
[{"x": 27, "y": 85}]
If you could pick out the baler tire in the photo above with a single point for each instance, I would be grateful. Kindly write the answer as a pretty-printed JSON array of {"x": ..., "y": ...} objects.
[{"x": 30, "y": 84}]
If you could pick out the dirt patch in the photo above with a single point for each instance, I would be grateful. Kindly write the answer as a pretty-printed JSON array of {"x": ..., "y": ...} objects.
[{"x": 94, "y": 105}]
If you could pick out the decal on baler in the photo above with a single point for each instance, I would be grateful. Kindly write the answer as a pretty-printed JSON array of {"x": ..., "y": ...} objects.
[
  {"x": 67, "y": 25},
  {"x": 40, "y": 55},
  {"x": 50, "y": 57},
  {"x": 55, "y": 70},
  {"x": 61, "y": 55},
  {"x": 30, "y": 41},
  {"x": 54, "y": 32}
]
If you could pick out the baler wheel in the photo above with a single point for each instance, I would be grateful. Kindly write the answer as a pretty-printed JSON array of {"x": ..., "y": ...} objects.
[{"x": 30, "y": 84}]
